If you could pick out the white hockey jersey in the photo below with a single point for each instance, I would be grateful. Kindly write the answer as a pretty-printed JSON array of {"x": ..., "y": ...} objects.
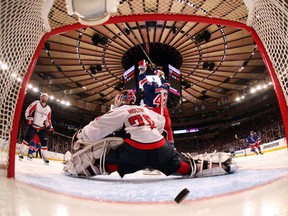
[
  {"x": 41, "y": 115},
  {"x": 144, "y": 126}
]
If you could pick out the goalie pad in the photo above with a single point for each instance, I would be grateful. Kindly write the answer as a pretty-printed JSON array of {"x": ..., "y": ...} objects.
[
  {"x": 90, "y": 160},
  {"x": 212, "y": 164}
]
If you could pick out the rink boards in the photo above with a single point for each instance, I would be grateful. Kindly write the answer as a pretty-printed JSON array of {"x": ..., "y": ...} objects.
[{"x": 266, "y": 147}]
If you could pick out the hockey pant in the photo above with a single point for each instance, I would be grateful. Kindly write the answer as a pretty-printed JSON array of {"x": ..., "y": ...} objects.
[
  {"x": 255, "y": 145},
  {"x": 31, "y": 131}
]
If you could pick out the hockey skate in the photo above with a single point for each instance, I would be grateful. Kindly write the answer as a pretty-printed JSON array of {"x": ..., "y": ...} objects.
[
  {"x": 29, "y": 157},
  {"x": 90, "y": 161},
  {"x": 20, "y": 156},
  {"x": 46, "y": 161},
  {"x": 212, "y": 164}
]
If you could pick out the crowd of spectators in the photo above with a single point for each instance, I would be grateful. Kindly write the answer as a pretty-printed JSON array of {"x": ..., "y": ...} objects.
[
  {"x": 268, "y": 125},
  {"x": 215, "y": 135}
]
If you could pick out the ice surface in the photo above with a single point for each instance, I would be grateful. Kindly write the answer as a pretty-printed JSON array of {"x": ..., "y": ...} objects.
[{"x": 138, "y": 188}]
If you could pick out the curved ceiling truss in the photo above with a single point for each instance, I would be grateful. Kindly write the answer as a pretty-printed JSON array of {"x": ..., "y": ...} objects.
[{"x": 214, "y": 69}]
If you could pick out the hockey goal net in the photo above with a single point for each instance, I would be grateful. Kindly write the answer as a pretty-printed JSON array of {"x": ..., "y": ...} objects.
[{"x": 25, "y": 25}]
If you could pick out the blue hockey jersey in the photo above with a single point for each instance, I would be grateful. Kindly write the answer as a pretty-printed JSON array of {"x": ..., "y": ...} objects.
[
  {"x": 252, "y": 139},
  {"x": 153, "y": 92}
]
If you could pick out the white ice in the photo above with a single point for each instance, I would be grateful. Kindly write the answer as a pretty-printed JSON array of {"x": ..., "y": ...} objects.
[{"x": 260, "y": 187}]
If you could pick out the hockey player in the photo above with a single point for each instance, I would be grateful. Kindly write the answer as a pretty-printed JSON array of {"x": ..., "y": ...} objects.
[
  {"x": 38, "y": 116},
  {"x": 145, "y": 147},
  {"x": 254, "y": 142},
  {"x": 156, "y": 97}
]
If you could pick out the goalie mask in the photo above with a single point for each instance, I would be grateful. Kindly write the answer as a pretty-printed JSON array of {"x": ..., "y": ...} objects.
[{"x": 125, "y": 97}]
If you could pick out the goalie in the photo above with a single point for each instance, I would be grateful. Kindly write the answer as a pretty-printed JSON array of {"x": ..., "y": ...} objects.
[{"x": 143, "y": 147}]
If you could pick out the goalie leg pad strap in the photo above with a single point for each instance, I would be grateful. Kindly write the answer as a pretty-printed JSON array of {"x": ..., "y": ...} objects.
[
  {"x": 211, "y": 164},
  {"x": 211, "y": 172},
  {"x": 91, "y": 160}
]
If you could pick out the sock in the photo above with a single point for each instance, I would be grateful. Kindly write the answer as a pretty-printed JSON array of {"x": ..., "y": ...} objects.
[
  {"x": 44, "y": 151},
  {"x": 112, "y": 167},
  {"x": 24, "y": 147},
  {"x": 184, "y": 168}
]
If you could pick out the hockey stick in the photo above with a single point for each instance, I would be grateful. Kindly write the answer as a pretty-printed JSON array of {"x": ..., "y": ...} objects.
[
  {"x": 236, "y": 137},
  {"x": 139, "y": 44}
]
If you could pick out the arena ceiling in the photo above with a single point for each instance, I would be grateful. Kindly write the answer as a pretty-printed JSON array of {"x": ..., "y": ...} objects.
[{"x": 217, "y": 62}]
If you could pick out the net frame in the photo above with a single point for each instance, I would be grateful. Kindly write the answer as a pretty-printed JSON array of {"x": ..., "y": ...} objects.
[{"x": 132, "y": 18}]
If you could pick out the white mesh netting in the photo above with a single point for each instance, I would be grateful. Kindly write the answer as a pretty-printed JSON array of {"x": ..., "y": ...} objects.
[
  {"x": 270, "y": 21},
  {"x": 22, "y": 27}
]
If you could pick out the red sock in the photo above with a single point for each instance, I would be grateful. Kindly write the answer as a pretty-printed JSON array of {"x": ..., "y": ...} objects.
[
  {"x": 184, "y": 168},
  {"x": 111, "y": 167}
]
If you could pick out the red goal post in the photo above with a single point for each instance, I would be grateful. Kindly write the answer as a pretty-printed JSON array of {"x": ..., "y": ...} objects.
[{"x": 11, "y": 105}]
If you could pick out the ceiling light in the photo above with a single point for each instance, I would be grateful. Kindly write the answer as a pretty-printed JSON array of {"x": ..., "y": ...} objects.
[
  {"x": 35, "y": 89},
  {"x": 30, "y": 86},
  {"x": 206, "y": 35},
  {"x": 92, "y": 69},
  {"x": 211, "y": 66},
  {"x": 253, "y": 90},
  {"x": 92, "y": 12}
]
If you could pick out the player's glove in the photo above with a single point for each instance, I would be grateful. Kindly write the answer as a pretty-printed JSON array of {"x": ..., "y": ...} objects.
[
  {"x": 164, "y": 133},
  {"x": 160, "y": 73},
  {"x": 50, "y": 129},
  {"x": 29, "y": 120}
]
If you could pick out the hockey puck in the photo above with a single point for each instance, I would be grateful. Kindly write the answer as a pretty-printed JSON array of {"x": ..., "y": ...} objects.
[{"x": 182, "y": 195}]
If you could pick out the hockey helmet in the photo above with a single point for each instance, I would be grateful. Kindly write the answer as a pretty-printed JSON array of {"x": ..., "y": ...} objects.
[
  {"x": 126, "y": 97},
  {"x": 44, "y": 95},
  {"x": 142, "y": 65}
]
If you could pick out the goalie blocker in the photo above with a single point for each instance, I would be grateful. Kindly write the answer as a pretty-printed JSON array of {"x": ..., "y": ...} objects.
[{"x": 95, "y": 158}]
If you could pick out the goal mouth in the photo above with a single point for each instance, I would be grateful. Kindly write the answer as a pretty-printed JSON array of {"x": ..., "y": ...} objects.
[{"x": 267, "y": 30}]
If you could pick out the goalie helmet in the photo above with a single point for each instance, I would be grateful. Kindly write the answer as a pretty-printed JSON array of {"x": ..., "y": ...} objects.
[{"x": 126, "y": 97}]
